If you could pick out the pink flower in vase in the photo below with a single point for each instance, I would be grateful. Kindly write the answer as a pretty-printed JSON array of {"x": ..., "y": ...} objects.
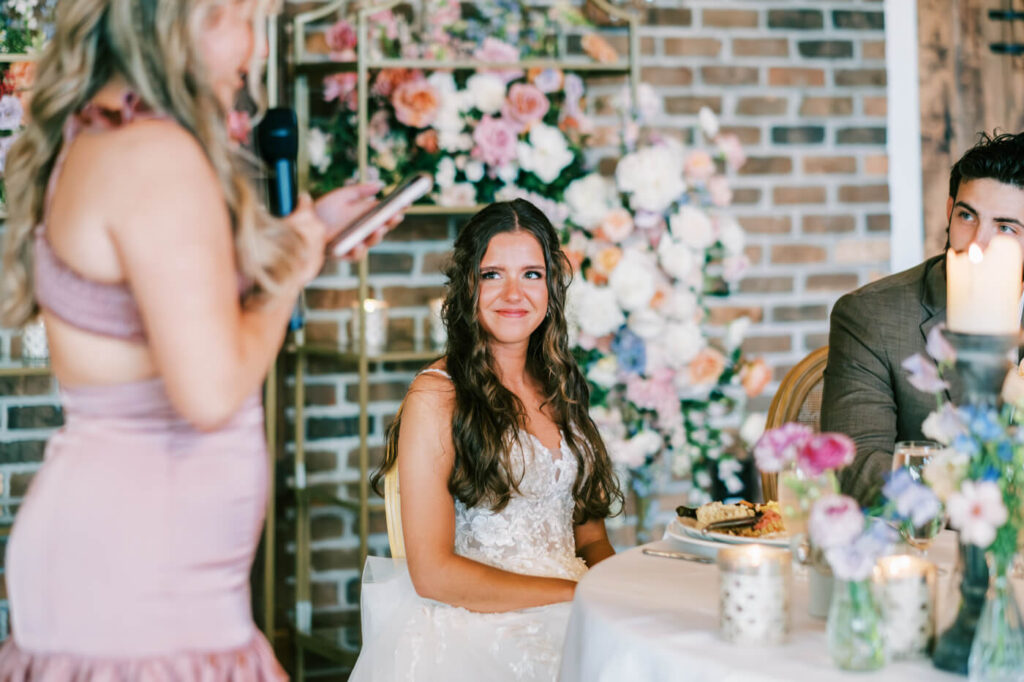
[
  {"x": 824, "y": 452},
  {"x": 836, "y": 520},
  {"x": 977, "y": 511},
  {"x": 924, "y": 375},
  {"x": 778, "y": 447},
  {"x": 495, "y": 141}
]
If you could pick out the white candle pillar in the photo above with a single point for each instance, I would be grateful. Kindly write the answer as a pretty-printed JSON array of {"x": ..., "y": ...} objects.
[{"x": 983, "y": 288}]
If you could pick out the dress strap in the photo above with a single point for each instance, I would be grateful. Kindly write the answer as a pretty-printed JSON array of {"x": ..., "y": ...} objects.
[{"x": 435, "y": 370}]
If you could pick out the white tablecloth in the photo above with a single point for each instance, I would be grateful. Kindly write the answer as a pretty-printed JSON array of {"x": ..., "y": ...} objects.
[{"x": 649, "y": 619}]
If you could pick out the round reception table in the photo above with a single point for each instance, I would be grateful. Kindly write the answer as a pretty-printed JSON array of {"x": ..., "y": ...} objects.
[{"x": 645, "y": 618}]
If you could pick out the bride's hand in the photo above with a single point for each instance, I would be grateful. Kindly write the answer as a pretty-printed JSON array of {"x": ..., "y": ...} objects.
[{"x": 340, "y": 207}]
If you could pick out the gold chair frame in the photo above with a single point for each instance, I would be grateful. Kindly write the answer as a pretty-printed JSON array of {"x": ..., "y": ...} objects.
[
  {"x": 789, "y": 399},
  {"x": 393, "y": 513}
]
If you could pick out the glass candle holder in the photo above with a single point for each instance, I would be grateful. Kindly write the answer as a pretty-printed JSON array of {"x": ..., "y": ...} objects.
[
  {"x": 906, "y": 586},
  {"x": 34, "y": 345},
  {"x": 754, "y": 589},
  {"x": 376, "y": 313},
  {"x": 438, "y": 334}
]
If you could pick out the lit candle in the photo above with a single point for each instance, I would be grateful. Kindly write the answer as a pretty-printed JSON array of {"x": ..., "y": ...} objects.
[
  {"x": 376, "y": 325},
  {"x": 438, "y": 334},
  {"x": 983, "y": 288},
  {"x": 754, "y": 584},
  {"x": 907, "y": 587}
]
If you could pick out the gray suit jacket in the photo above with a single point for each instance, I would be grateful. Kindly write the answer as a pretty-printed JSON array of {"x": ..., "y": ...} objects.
[{"x": 867, "y": 395}]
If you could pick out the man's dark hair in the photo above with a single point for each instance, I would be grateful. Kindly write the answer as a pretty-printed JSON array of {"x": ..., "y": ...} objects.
[{"x": 999, "y": 157}]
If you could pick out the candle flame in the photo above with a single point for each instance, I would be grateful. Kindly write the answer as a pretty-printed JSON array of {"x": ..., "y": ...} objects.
[{"x": 975, "y": 254}]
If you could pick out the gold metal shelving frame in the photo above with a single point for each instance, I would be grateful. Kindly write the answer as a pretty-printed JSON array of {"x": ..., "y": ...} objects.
[{"x": 302, "y": 66}]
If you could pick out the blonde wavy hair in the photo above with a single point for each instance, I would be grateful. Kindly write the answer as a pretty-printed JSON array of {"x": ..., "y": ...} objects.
[{"x": 153, "y": 46}]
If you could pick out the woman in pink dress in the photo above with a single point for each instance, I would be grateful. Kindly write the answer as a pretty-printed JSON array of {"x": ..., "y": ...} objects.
[{"x": 165, "y": 288}]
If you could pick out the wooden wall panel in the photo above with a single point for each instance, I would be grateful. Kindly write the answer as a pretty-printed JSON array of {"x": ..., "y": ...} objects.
[{"x": 965, "y": 89}]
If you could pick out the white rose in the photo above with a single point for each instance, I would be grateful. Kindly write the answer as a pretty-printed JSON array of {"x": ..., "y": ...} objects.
[
  {"x": 487, "y": 92},
  {"x": 474, "y": 171},
  {"x": 682, "y": 304},
  {"x": 731, "y": 235},
  {"x": 608, "y": 422},
  {"x": 443, "y": 83},
  {"x": 318, "y": 146},
  {"x": 752, "y": 428},
  {"x": 736, "y": 332},
  {"x": 508, "y": 173},
  {"x": 11, "y": 113},
  {"x": 632, "y": 280},
  {"x": 708, "y": 122},
  {"x": 652, "y": 176},
  {"x": 604, "y": 372},
  {"x": 681, "y": 342},
  {"x": 594, "y": 309},
  {"x": 459, "y": 194},
  {"x": 546, "y": 154},
  {"x": 676, "y": 259},
  {"x": 650, "y": 104},
  {"x": 589, "y": 199},
  {"x": 646, "y": 323},
  {"x": 693, "y": 227},
  {"x": 445, "y": 176}
]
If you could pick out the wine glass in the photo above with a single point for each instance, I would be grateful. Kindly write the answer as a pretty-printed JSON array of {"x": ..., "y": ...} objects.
[{"x": 913, "y": 455}]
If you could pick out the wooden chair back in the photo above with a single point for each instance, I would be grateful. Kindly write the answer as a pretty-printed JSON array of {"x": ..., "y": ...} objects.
[{"x": 797, "y": 400}]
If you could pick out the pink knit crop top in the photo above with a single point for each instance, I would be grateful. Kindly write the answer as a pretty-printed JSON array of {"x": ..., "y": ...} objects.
[{"x": 97, "y": 307}]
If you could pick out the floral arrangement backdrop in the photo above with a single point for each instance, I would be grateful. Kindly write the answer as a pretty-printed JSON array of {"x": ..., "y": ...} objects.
[
  {"x": 651, "y": 244},
  {"x": 23, "y": 29}
]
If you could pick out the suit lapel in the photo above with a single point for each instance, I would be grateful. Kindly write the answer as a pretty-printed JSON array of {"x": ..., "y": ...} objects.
[{"x": 933, "y": 302}]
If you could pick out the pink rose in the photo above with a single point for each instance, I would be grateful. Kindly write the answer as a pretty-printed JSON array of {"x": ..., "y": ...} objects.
[
  {"x": 388, "y": 80},
  {"x": 416, "y": 103},
  {"x": 729, "y": 145},
  {"x": 495, "y": 141},
  {"x": 826, "y": 451},
  {"x": 341, "y": 87},
  {"x": 780, "y": 446},
  {"x": 525, "y": 105},
  {"x": 341, "y": 37},
  {"x": 385, "y": 20},
  {"x": 494, "y": 50},
  {"x": 718, "y": 188},
  {"x": 835, "y": 521}
]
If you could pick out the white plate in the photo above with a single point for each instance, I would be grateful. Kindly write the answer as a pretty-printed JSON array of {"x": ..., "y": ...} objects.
[{"x": 681, "y": 530}]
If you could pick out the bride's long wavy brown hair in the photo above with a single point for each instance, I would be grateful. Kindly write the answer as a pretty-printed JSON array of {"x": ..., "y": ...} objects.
[
  {"x": 152, "y": 45},
  {"x": 488, "y": 418}
]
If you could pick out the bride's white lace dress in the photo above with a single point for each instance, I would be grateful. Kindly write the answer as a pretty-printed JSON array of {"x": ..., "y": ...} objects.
[{"x": 407, "y": 638}]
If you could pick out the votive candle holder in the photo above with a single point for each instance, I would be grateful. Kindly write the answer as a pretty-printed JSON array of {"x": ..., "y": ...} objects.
[
  {"x": 754, "y": 594},
  {"x": 906, "y": 587}
]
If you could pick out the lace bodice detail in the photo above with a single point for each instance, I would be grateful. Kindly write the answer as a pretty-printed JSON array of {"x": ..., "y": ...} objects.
[{"x": 533, "y": 534}]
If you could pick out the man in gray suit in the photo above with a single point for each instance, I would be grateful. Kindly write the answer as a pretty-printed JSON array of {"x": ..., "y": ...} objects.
[{"x": 875, "y": 328}]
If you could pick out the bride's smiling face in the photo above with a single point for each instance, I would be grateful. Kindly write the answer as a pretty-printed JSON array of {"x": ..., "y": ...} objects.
[{"x": 513, "y": 289}]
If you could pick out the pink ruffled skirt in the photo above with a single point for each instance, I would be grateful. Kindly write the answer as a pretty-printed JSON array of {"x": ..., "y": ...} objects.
[{"x": 130, "y": 556}]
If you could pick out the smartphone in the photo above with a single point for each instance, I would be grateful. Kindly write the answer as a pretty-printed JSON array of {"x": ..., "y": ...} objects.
[{"x": 396, "y": 201}]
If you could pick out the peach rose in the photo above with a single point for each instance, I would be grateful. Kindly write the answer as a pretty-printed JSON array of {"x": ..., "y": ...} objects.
[
  {"x": 606, "y": 259},
  {"x": 20, "y": 77},
  {"x": 388, "y": 80},
  {"x": 427, "y": 141},
  {"x": 617, "y": 225},
  {"x": 598, "y": 49},
  {"x": 706, "y": 367},
  {"x": 755, "y": 376},
  {"x": 699, "y": 167},
  {"x": 524, "y": 106},
  {"x": 416, "y": 103}
]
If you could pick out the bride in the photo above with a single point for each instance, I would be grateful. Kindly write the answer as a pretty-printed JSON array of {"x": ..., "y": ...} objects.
[{"x": 505, "y": 482}]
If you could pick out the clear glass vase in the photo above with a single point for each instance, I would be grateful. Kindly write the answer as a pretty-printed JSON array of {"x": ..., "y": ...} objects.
[
  {"x": 854, "y": 628},
  {"x": 997, "y": 653}
]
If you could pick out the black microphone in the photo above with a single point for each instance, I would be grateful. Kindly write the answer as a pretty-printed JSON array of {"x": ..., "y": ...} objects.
[{"x": 277, "y": 142}]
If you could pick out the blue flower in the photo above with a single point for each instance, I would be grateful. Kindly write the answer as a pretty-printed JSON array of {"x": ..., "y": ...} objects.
[
  {"x": 912, "y": 500},
  {"x": 983, "y": 422},
  {"x": 991, "y": 474},
  {"x": 966, "y": 445},
  {"x": 630, "y": 352},
  {"x": 1004, "y": 450}
]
